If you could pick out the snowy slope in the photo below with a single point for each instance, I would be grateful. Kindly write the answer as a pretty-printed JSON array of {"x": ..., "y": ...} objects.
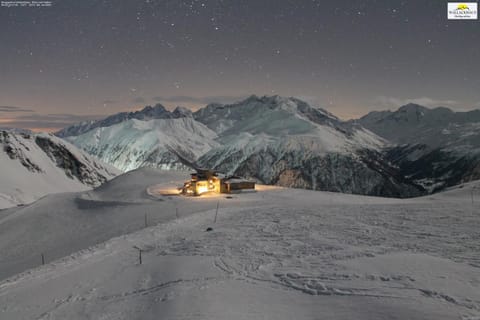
[
  {"x": 137, "y": 143},
  {"x": 33, "y": 165},
  {"x": 275, "y": 254}
]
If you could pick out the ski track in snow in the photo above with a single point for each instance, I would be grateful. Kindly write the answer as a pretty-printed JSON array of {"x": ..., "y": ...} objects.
[{"x": 275, "y": 254}]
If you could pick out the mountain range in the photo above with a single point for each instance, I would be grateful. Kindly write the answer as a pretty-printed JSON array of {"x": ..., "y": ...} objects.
[
  {"x": 274, "y": 140},
  {"x": 286, "y": 141},
  {"x": 437, "y": 148},
  {"x": 135, "y": 143}
]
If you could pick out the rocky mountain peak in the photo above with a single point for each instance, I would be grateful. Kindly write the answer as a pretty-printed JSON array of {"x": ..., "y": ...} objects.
[{"x": 181, "y": 112}]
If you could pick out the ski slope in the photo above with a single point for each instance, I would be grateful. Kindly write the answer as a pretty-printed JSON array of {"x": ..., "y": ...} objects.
[{"x": 276, "y": 253}]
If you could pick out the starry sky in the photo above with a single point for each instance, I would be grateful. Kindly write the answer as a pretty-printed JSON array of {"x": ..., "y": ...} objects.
[{"x": 82, "y": 59}]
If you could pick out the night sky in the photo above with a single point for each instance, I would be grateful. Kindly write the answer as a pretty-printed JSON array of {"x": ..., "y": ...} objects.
[{"x": 81, "y": 59}]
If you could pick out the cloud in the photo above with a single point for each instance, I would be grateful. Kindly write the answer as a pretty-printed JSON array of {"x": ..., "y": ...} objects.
[
  {"x": 199, "y": 100},
  {"x": 316, "y": 101},
  {"x": 51, "y": 122},
  {"x": 391, "y": 102},
  {"x": 109, "y": 101},
  {"x": 139, "y": 100},
  {"x": 14, "y": 109}
]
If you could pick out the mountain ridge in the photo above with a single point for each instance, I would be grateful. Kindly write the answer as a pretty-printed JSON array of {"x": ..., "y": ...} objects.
[
  {"x": 36, "y": 164},
  {"x": 147, "y": 113},
  {"x": 436, "y": 147},
  {"x": 135, "y": 143},
  {"x": 408, "y": 122}
]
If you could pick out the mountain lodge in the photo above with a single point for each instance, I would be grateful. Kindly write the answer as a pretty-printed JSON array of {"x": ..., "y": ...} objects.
[{"x": 205, "y": 180}]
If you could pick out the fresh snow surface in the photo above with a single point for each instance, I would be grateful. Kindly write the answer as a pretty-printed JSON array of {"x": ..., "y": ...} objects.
[
  {"x": 33, "y": 173},
  {"x": 272, "y": 254}
]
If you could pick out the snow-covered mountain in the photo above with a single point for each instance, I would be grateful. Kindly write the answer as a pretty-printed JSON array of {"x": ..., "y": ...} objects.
[
  {"x": 148, "y": 113},
  {"x": 433, "y": 127},
  {"x": 33, "y": 165},
  {"x": 134, "y": 143},
  {"x": 435, "y": 147}
]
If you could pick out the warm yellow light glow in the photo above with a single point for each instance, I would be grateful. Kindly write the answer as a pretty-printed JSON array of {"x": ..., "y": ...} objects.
[
  {"x": 202, "y": 189},
  {"x": 262, "y": 187}
]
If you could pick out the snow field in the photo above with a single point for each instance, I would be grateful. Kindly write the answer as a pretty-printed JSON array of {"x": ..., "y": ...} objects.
[{"x": 274, "y": 254}]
